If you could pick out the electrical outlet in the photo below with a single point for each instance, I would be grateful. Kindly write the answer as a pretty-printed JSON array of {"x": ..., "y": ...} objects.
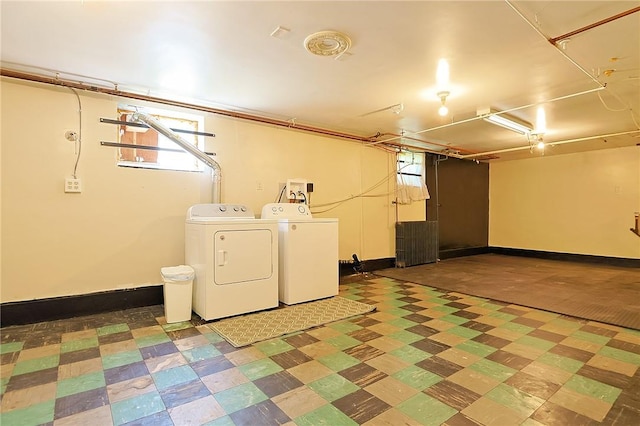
[{"x": 72, "y": 185}]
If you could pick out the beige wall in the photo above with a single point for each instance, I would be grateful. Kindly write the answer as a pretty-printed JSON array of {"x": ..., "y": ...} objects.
[
  {"x": 128, "y": 223},
  {"x": 580, "y": 203}
]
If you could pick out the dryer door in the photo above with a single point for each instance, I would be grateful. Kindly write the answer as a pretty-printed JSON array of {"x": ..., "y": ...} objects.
[{"x": 242, "y": 255}]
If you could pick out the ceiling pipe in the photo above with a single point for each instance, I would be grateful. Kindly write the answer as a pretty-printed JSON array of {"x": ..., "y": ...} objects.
[
  {"x": 233, "y": 114},
  {"x": 400, "y": 137},
  {"x": 555, "y": 40},
  {"x": 566, "y": 141},
  {"x": 506, "y": 111},
  {"x": 567, "y": 57},
  {"x": 541, "y": 34},
  {"x": 367, "y": 140},
  {"x": 419, "y": 148},
  {"x": 601, "y": 85},
  {"x": 18, "y": 65},
  {"x": 456, "y": 151},
  {"x": 448, "y": 151}
]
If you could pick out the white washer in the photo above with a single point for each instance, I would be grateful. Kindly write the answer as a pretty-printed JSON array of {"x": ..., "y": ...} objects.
[
  {"x": 308, "y": 253},
  {"x": 235, "y": 258}
]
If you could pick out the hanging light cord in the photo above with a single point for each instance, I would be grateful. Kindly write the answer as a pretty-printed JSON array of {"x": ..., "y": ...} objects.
[{"x": 75, "y": 167}]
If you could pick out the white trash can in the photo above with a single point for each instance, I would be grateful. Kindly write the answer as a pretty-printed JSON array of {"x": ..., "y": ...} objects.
[{"x": 178, "y": 287}]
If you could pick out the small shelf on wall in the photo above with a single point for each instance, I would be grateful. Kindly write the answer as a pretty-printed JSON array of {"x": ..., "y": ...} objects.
[{"x": 635, "y": 231}]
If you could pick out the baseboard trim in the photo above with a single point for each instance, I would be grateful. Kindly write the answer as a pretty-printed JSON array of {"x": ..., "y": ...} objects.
[
  {"x": 32, "y": 311},
  {"x": 50, "y": 309},
  {"x": 375, "y": 264},
  {"x": 369, "y": 265},
  {"x": 568, "y": 257},
  {"x": 462, "y": 252}
]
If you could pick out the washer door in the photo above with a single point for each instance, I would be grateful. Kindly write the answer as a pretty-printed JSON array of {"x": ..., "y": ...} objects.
[{"x": 242, "y": 255}]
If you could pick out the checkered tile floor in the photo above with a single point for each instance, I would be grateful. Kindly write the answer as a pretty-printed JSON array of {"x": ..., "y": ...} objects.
[{"x": 424, "y": 357}]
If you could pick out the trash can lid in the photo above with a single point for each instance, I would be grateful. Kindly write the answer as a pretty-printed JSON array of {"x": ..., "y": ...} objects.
[{"x": 182, "y": 272}]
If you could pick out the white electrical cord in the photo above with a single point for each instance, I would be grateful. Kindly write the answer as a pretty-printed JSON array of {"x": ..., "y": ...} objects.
[
  {"x": 633, "y": 116},
  {"x": 363, "y": 194},
  {"x": 607, "y": 106},
  {"x": 79, "y": 140}
]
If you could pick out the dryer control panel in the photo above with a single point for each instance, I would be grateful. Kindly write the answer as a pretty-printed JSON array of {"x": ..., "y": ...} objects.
[
  {"x": 286, "y": 211},
  {"x": 228, "y": 211}
]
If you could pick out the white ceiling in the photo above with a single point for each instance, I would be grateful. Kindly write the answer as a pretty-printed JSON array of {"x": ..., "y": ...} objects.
[{"x": 221, "y": 54}]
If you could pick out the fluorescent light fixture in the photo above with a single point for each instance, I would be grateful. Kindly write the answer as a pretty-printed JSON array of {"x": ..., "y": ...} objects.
[{"x": 509, "y": 122}]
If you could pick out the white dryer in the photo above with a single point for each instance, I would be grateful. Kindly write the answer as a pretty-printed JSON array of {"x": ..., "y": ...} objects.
[
  {"x": 235, "y": 258},
  {"x": 308, "y": 253}
]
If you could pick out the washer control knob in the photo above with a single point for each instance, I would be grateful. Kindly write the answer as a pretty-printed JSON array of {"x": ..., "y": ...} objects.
[
  {"x": 235, "y": 208},
  {"x": 223, "y": 208},
  {"x": 243, "y": 209},
  {"x": 301, "y": 209},
  {"x": 281, "y": 209},
  {"x": 274, "y": 209}
]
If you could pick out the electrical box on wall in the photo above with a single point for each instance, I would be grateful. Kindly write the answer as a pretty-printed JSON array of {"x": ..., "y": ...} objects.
[
  {"x": 72, "y": 185},
  {"x": 297, "y": 190}
]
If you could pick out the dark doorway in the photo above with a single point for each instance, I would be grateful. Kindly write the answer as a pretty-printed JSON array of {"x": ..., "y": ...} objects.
[{"x": 459, "y": 202}]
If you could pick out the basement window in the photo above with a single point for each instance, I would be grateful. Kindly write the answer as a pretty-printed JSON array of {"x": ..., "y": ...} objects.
[
  {"x": 411, "y": 178},
  {"x": 156, "y": 151}
]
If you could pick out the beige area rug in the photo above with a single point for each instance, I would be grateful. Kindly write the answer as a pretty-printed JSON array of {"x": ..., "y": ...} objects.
[{"x": 251, "y": 328}]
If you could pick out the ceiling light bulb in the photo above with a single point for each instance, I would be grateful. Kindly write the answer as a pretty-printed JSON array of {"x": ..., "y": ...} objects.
[
  {"x": 540, "y": 145},
  {"x": 443, "y": 110},
  {"x": 442, "y": 74}
]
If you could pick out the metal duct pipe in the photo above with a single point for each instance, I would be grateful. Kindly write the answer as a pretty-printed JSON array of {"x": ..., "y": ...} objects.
[{"x": 191, "y": 149}]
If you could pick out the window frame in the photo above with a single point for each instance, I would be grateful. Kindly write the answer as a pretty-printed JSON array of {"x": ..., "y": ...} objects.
[
  {"x": 167, "y": 155},
  {"x": 410, "y": 185}
]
